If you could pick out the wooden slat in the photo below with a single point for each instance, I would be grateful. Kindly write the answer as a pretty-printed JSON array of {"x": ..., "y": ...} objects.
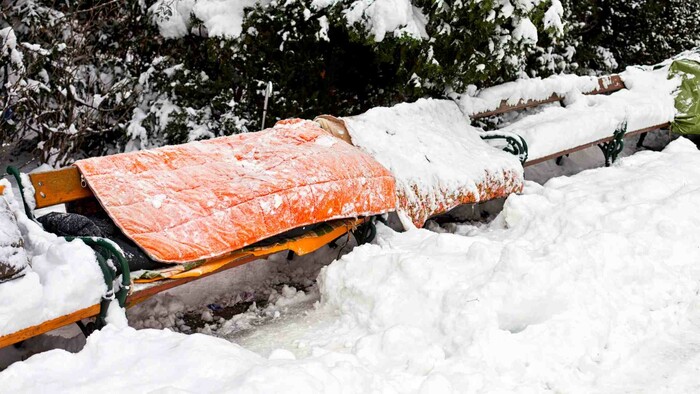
[
  {"x": 590, "y": 144},
  {"x": 141, "y": 292},
  {"x": 605, "y": 85},
  {"x": 58, "y": 187},
  {"x": 47, "y": 326},
  {"x": 608, "y": 84},
  {"x": 139, "y": 295},
  {"x": 147, "y": 291}
]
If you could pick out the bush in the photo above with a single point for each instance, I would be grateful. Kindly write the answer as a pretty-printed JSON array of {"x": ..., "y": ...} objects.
[
  {"x": 90, "y": 77},
  {"x": 70, "y": 71},
  {"x": 610, "y": 35}
]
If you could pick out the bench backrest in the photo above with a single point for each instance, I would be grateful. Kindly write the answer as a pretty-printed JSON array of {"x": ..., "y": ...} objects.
[{"x": 607, "y": 84}]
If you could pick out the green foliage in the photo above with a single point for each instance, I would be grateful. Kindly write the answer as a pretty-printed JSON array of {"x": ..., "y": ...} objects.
[
  {"x": 611, "y": 34},
  {"x": 92, "y": 77},
  {"x": 317, "y": 64},
  {"x": 473, "y": 42},
  {"x": 75, "y": 71}
]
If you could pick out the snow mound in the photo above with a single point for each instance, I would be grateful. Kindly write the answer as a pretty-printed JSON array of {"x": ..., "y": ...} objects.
[
  {"x": 151, "y": 360},
  {"x": 561, "y": 292},
  {"x": 63, "y": 277},
  {"x": 438, "y": 159}
]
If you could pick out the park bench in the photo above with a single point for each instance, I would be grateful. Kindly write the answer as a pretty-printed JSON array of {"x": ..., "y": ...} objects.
[
  {"x": 450, "y": 154},
  {"x": 550, "y": 131},
  {"x": 335, "y": 207}
]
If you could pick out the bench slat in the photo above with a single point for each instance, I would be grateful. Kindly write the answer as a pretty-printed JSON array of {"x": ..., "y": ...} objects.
[
  {"x": 608, "y": 84},
  {"x": 58, "y": 187},
  {"x": 590, "y": 144}
]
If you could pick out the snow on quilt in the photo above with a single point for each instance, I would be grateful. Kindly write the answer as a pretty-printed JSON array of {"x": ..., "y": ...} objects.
[{"x": 204, "y": 199}]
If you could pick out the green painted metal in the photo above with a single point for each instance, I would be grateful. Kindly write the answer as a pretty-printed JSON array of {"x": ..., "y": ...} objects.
[
  {"x": 613, "y": 148},
  {"x": 515, "y": 144},
  {"x": 101, "y": 319},
  {"x": 365, "y": 232},
  {"x": 107, "y": 250}
]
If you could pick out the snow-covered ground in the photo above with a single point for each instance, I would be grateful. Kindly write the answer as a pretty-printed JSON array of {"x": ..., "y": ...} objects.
[{"x": 586, "y": 284}]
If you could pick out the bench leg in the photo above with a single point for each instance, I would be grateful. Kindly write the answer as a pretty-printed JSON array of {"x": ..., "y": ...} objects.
[
  {"x": 613, "y": 148},
  {"x": 640, "y": 142}
]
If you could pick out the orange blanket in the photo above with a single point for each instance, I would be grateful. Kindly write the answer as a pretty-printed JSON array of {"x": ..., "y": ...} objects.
[{"x": 204, "y": 199}]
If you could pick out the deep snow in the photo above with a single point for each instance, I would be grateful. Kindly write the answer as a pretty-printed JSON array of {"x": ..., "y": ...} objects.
[
  {"x": 586, "y": 284},
  {"x": 63, "y": 276}
]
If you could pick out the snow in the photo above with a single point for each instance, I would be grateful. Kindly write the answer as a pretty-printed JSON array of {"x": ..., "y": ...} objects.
[
  {"x": 489, "y": 99},
  {"x": 9, "y": 51},
  {"x": 433, "y": 153},
  {"x": 586, "y": 284},
  {"x": 157, "y": 200},
  {"x": 525, "y": 31},
  {"x": 553, "y": 15},
  {"x": 380, "y": 17},
  {"x": 222, "y": 18},
  {"x": 13, "y": 258},
  {"x": 64, "y": 277},
  {"x": 648, "y": 101}
]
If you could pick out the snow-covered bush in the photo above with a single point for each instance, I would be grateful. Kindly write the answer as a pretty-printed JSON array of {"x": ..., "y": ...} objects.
[
  {"x": 484, "y": 42},
  {"x": 69, "y": 73},
  {"x": 609, "y": 35},
  {"x": 190, "y": 93},
  {"x": 345, "y": 56},
  {"x": 318, "y": 62},
  {"x": 91, "y": 77}
]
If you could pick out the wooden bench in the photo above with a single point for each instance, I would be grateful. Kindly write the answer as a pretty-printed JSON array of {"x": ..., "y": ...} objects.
[
  {"x": 65, "y": 186},
  {"x": 611, "y": 146}
]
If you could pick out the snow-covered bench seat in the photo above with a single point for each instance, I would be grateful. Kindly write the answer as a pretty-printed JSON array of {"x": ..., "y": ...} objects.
[
  {"x": 641, "y": 101},
  {"x": 438, "y": 159}
]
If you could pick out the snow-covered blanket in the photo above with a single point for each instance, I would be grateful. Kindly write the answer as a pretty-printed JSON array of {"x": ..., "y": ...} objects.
[
  {"x": 438, "y": 159},
  {"x": 585, "y": 284},
  {"x": 206, "y": 199},
  {"x": 62, "y": 278}
]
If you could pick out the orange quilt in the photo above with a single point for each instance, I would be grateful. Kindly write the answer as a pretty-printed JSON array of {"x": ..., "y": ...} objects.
[{"x": 204, "y": 199}]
